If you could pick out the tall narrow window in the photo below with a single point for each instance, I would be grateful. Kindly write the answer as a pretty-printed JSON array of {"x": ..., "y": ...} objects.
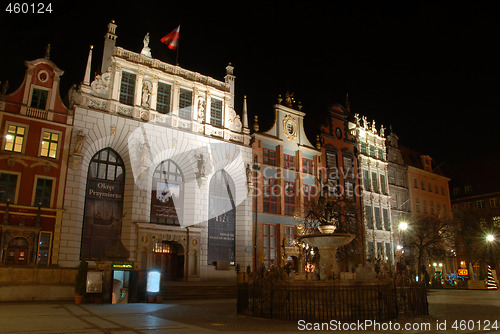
[
  {"x": 43, "y": 192},
  {"x": 381, "y": 154},
  {"x": 289, "y": 198},
  {"x": 369, "y": 217},
  {"x": 39, "y": 98},
  {"x": 378, "y": 218},
  {"x": 375, "y": 182},
  {"x": 269, "y": 243},
  {"x": 216, "y": 112},
  {"x": 366, "y": 180},
  {"x": 364, "y": 148},
  {"x": 102, "y": 217},
  {"x": 387, "y": 223},
  {"x": 43, "y": 253},
  {"x": 289, "y": 161},
  {"x": 14, "y": 138},
  {"x": 163, "y": 98},
  {"x": 8, "y": 185},
  {"x": 309, "y": 194},
  {"x": 127, "y": 89},
  {"x": 50, "y": 143},
  {"x": 270, "y": 197},
  {"x": 383, "y": 186},
  {"x": 307, "y": 166},
  {"x": 348, "y": 166},
  {"x": 185, "y": 103}
]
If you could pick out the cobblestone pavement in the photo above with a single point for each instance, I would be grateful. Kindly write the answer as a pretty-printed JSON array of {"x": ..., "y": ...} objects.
[{"x": 470, "y": 311}]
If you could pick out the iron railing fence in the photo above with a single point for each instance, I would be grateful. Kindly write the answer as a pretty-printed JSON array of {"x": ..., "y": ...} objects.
[{"x": 328, "y": 301}]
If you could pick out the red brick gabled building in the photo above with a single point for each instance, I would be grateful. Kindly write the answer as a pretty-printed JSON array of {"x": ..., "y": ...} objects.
[
  {"x": 35, "y": 128},
  {"x": 341, "y": 181}
]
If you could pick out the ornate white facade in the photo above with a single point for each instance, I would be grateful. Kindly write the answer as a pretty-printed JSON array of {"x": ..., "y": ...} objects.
[
  {"x": 158, "y": 117},
  {"x": 376, "y": 200}
]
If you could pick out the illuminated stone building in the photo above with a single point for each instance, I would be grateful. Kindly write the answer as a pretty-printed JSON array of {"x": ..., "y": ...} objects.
[
  {"x": 157, "y": 176},
  {"x": 376, "y": 201},
  {"x": 285, "y": 182},
  {"x": 36, "y": 133}
]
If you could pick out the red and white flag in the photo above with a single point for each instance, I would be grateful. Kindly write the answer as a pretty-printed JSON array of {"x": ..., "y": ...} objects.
[{"x": 171, "y": 39}]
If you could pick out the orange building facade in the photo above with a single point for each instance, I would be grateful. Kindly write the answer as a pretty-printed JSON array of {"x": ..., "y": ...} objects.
[{"x": 285, "y": 185}]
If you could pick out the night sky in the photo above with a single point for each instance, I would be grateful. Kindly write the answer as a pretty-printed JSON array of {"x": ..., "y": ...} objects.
[{"x": 429, "y": 69}]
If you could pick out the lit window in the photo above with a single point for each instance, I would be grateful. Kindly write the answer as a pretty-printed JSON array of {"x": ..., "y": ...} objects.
[
  {"x": 14, "y": 138},
  {"x": 50, "y": 142}
]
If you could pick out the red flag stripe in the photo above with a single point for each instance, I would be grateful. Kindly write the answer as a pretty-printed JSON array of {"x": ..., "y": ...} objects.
[{"x": 171, "y": 38}]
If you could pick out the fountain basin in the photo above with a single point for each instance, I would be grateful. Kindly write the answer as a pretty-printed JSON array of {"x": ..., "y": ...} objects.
[
  {"x": 327, "y": 245},
  {"x": 325, "y": 240}
]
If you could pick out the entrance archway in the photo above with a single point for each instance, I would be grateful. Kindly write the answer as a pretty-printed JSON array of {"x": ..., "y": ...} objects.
[
  {"x": 168, "y": 258},
  {"x": 103, "y": 204}
]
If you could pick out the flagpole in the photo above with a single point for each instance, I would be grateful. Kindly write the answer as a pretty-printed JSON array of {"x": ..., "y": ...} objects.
[{"x": 177, "y": 49}]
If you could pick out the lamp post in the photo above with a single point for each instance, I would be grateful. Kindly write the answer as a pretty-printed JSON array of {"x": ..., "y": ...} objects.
[{"x": 403, "y": 226}]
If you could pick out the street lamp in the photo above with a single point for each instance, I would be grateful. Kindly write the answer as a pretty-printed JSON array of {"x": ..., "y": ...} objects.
[
  {"x": 403, "y": 226},
  {"x": 490, "y": 238}
]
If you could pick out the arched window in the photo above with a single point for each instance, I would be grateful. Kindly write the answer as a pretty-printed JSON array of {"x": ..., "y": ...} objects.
[
  {"x": 102, "y": 219},
  {"x": 221, "y": 218},
  {"x": 167, "y": 193}
]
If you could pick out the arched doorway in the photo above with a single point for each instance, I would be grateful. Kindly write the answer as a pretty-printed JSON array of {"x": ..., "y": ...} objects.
[
  {"x": 168, "y": 257},
  {"x": 103, "y": 204},
  {"x": 221, "y": 219}
]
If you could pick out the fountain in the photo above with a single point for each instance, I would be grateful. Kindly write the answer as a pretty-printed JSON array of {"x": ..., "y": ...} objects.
[{"x": 327, "y": 242}]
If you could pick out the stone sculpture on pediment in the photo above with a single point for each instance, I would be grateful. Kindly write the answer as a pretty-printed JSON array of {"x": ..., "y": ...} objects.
[
  {"x": 100, "y": 85},
  {"x": 234, "y": 122}
]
